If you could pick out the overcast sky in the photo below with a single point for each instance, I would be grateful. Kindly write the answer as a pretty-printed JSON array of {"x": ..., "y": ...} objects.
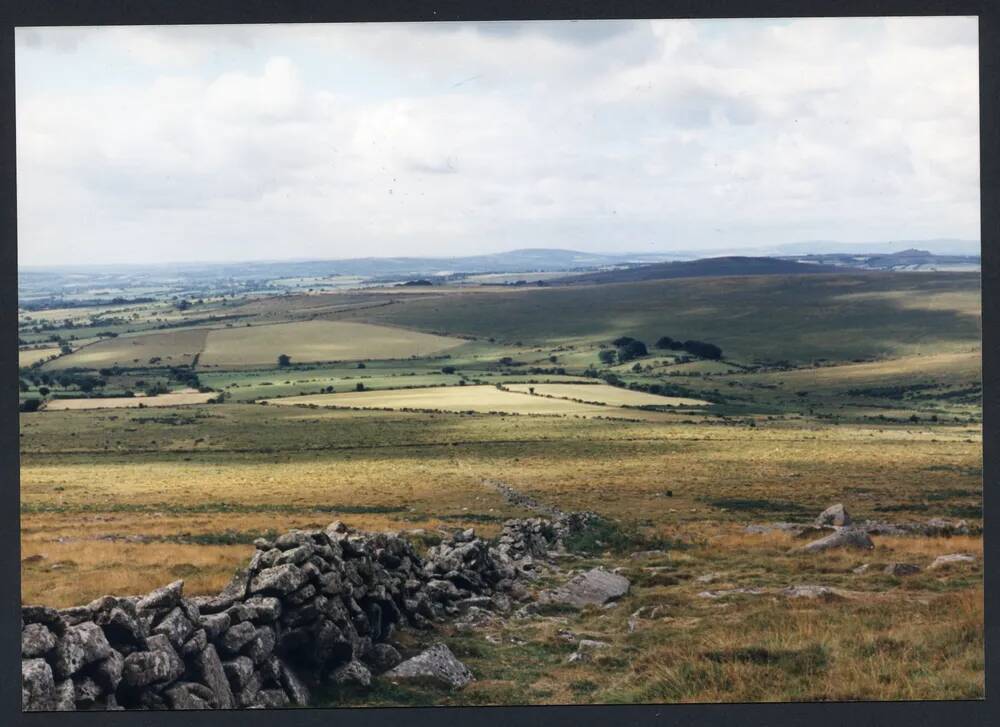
[{"x": 325, "y": 141}]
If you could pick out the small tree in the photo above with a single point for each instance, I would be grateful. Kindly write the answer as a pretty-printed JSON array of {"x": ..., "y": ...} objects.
[
  {"x": 607, "y": 357},
  {"x": 284, "y": 360},
  {"x": 359, "y": 387},
  {"x": 43, "y": 390}
]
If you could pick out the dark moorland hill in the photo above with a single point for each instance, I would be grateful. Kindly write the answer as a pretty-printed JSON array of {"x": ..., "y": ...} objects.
[{"x": 705, "y": 268}]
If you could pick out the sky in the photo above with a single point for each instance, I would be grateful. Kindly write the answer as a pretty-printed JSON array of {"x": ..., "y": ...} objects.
[{"x": 208, "y": 143}]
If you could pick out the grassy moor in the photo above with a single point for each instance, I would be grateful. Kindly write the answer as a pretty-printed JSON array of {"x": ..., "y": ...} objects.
[{"x": 163, "y": 451}]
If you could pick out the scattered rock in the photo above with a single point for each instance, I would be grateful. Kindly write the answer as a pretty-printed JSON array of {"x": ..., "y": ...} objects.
[
  {"x": 822, "y": 592},
  {"x": 595, "y": 587},
  {"x": 383, "y": 657},
  {"x": 844, "y": 538},
  {"x": 586, "y": 648},
  {"x": 835, "y": 515},
  {"x": 943, "y": 561},
  {"x": 901, "y": 569},
  {"x": 353, "y": 673},
  {"x": 437, "y": 665}
]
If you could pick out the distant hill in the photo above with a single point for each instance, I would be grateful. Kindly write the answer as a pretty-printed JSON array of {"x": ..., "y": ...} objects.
[
  {"x": 909, "y": 259},
  {"x": 707, "y": 267}
]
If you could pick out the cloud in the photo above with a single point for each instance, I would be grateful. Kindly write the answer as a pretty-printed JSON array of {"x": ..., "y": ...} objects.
[{"x": 341, "y": 140}]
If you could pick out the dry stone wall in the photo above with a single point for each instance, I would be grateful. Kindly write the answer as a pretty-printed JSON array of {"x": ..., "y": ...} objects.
[{"x": 310, "y": 606}]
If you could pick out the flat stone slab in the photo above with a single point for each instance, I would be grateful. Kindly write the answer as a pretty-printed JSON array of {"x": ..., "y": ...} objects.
[
  {"x": 437, "y": 665},
  {"x": 595, "y": 587}
]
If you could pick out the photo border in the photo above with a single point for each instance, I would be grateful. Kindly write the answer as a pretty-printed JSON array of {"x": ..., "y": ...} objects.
[{"x": 172, "y": 12}]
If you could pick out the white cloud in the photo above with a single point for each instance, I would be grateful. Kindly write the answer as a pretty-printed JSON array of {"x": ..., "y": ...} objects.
[{"x": 333, "y": 141}]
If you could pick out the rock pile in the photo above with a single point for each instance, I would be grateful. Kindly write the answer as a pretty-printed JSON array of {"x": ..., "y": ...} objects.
[{"x": 310, "y": 606}]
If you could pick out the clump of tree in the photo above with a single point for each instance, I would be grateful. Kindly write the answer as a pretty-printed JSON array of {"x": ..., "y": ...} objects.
[
  {"x": 284, "y": 360},
  {"x": 631, "y": 350},
  {"x": 447, "y": 369},
  {"x": 696, "y": 348}
]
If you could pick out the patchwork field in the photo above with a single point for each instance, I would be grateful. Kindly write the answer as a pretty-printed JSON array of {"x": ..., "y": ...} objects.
[{"x": 310, "y": 341}]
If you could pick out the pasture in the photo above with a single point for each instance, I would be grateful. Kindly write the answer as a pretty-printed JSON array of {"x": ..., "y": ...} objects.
[
  {"x": 170, "y": 348},
  {"x": 316, "y": 340}
]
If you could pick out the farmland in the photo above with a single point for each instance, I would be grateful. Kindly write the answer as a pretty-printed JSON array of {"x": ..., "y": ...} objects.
[{"x": 398, "y": 407}]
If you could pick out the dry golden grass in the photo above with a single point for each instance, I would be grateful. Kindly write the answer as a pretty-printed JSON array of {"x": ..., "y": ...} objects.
[
  {"x": 604, "y": 394},
  {"x": 483, "y": 399},
  {"x": 173, "y": 348},
  {"x": 174, "y": 398},
  {"x": 29, "y": 356}
]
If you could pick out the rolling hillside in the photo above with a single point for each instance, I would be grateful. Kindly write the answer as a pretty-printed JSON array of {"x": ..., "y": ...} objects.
[{"x": 708, "y": 267}]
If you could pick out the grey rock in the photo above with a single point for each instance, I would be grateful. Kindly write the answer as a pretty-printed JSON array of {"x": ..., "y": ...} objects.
[
  {"x": 383, "y": 657},
  {"x": 294, "y": 687},
  {"x": 108, "y": 671},
  {"x": 437, "y": 665},
  {"x": 237, "y": 637},
  {"x": 189, "y": 695},
  {"x": 121, "y": 624},
  {"x": 214, "y": 624},
  {"x": 209, "y": 670},
  {"x": 86, "y": 692},
  {"x": 296, "y": 556},
  {"x": 901, "y": 569},
  {"x": 247, "y": 696},
  {"x": 197, "y": 642},
  {"x": 273, "y": 698},
  {"x": 166, "y": 597},
  {"x": 64, "y": 696},
  {"x": 280, "y": 579},
  {"x": 944, "y": 561},
  {"x": 37, "y": 685},
  {"x": 263, "y": 609},
  {"x": 160, "y": 664},
  {"x": 835, "y": 515},
  {"x": 261, "y": 645},
  {"x": 36, "y": 640},
  {"x": 595, "y": 587},
  {"x": 822, "y": 592},
  {"x": 238, "y": 671},
  {"x": 80, "y": 645},
  {"x": 175, "y": 626},
  {"x": 844, "y": 538},
  {"x": 353, "y": 673}
]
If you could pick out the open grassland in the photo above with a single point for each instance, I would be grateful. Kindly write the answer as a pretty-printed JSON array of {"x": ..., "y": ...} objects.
[
  {"x": 181, "y": 470},
  {"x": 309, "y": 341},
  {"x": 171, "y": 348},
  {"x": 603, "y": 394}
]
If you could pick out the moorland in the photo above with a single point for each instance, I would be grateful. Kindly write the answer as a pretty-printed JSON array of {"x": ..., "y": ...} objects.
[{"x": 168, "y": 422}]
